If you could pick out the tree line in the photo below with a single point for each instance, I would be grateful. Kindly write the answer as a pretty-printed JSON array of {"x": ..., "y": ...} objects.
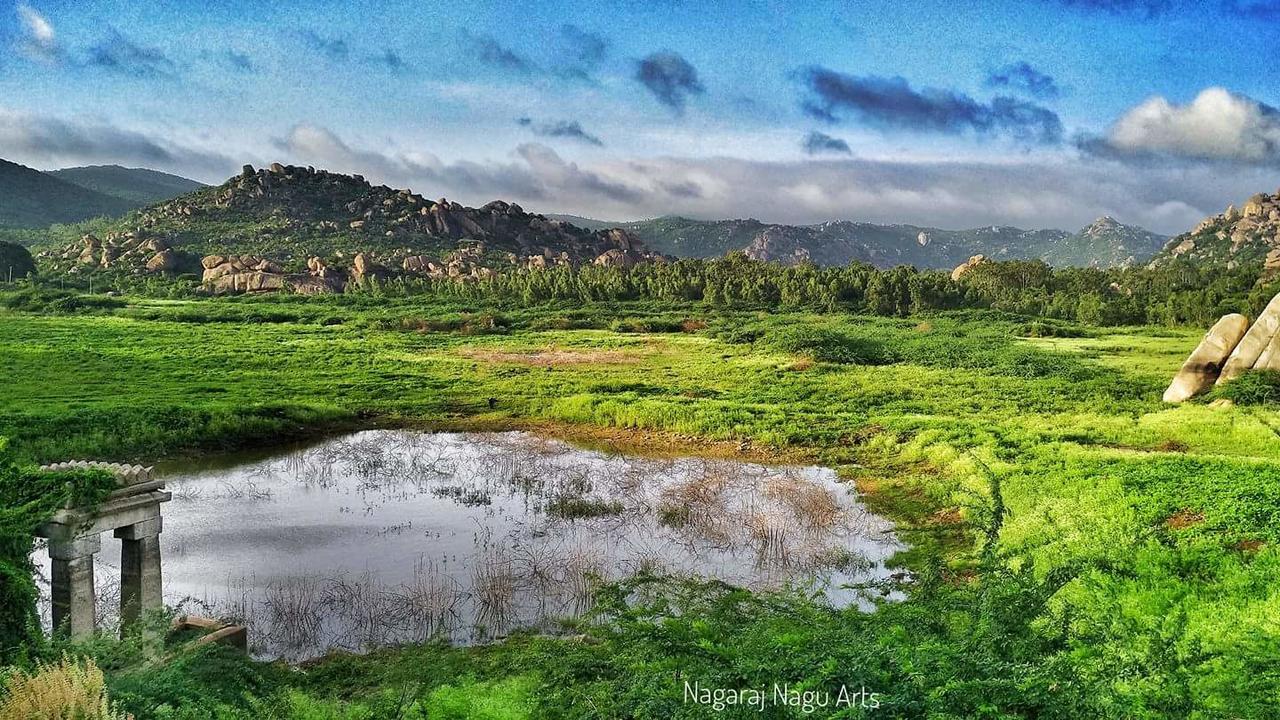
[{"x": 1177, "y": 294}]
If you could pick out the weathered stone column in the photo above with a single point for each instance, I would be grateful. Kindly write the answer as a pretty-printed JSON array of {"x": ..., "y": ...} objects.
[
  {"x": 72, "y": 581},
  {"x": 140, "y": 589}
]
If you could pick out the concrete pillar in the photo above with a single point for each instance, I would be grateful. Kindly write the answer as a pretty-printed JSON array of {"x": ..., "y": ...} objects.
[
  {"x": 72, "y": 584},
  {"x": 140, "y": 589}
]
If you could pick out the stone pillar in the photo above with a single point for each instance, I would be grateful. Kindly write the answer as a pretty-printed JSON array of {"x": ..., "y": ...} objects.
[
  {"x": 72, "y": 584},
  {"x": 140, "y": 589}
]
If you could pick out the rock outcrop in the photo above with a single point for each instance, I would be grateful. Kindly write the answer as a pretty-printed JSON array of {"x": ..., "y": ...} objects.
[
  {"x": 1255, "y": 342},
  {"x": 1230, "y": 348},
  {"x": 133, "y": 251},
  {"x": 964, "y": 267},
  {"x": 287, "y": 215},
  {"x": 1200, "y": 370},
  {"x": 1247, "y": 236}
]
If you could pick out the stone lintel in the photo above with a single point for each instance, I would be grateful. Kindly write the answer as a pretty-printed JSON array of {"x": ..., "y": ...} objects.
[
  {"x": 144, "y": 529},
  {"x": 73, "y": 548},
  {"x": 109, "y": 516}
]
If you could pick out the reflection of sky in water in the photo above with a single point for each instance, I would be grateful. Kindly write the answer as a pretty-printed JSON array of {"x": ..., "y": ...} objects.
[{"x": 387, "y": 536}]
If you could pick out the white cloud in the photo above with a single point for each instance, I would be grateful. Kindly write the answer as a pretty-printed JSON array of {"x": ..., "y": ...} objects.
[
  {"x": 39, "y": 39},
  {"x": 1217, "y": 125},
  {"x": 1034, "y": 193}
]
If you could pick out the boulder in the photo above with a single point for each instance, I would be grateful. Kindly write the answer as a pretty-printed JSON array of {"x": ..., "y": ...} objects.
[
  {"x": 1247, "y": 352},
  {"x": 163, "y": 261},
  {"x": 617, "y": 258},
  {"x": 966, "y": 266},
  {"x": 1270, "y": 357},
  {"x": 1201, "y": 369}
]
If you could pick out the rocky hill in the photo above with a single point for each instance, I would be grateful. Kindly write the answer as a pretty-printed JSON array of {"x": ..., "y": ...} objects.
[
  {"x": 1104, "y": 243},
  {"x": 308, "y": 230},
  {"x": 136, "y": 186},
  {"x": 30, "y": 198},
  {"x": 1236, "y": 237}
]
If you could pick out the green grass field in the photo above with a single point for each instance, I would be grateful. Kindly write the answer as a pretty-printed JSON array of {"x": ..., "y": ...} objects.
[{"x": 1134, "y": 572}]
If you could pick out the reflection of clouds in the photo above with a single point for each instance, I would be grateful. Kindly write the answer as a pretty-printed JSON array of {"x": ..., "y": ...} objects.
[{"x": 481, "y": 554}]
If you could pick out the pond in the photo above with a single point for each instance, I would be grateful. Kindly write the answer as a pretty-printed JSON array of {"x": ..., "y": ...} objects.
[{"x": 383, "y": 537}]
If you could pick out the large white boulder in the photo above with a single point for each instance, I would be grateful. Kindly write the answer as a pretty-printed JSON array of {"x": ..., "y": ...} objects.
[
  {"x": 1255, "y": 341},
  {"x": 1201, "y": 369}
]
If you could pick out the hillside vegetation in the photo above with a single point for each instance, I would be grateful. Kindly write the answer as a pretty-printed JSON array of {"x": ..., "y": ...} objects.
[
  {"x": 137, "y": 186},
  {"x": 1104, "y": 243},
  {"x": 30, "y": 198}
]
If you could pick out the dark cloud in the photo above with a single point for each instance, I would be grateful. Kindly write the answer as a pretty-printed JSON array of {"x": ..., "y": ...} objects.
[
  {"x": 570, "y": 129},
  {"x": 117, "y": 53},
  {"x": 238, "y": 61},
  {"x": 892, "y": 103},
  {"x": 816, "y": 143},
  {"x": 585, "y": 47},
  {"x": 486, "y": 50},
  {"x": 45, "y": 141},
  {"x": 1142, "y": 8},
  {"x": 391, "y": 60},
  {"x": 1266, "y": 10},
  {"x": 336, "y": 49},
  {"x": 688, "y": 190},
  {"x": 670, "y": 78},
  {"x": 583, "y": 52},
  {"x": 1020, "y": 77}
]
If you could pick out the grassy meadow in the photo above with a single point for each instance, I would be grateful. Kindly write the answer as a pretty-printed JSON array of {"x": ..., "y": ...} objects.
[{"x": 1079, "y": 549}]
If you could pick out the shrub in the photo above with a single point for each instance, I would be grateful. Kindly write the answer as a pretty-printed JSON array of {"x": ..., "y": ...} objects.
[
  {"x": 1256, "y": 387},
  {"x": 825, "y": 345},
  {"x": 69, "y": 690}
]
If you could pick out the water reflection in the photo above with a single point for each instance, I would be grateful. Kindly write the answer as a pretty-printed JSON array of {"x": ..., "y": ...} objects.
[{"x": 384, "y": 537}]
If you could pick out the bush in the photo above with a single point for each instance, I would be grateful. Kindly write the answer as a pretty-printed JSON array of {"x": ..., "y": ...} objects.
[
  {"x": 1256, "y": 387},
  {"x": 830, "y": 346},
  {"x": 69, "y": 689},
  {"x": 59, "y": 301}
]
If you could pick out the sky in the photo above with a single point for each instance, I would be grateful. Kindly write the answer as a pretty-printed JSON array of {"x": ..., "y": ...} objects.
[{"x": 1035, "y": 113}]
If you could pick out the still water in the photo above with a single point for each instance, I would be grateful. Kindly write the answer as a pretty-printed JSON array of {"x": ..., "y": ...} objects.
[{"x": 383, "y": 537}]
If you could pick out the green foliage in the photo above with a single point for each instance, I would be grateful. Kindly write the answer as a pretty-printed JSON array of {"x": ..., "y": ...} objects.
[
  {"x": 15, "y": 262},
  {"x": 1255, "y": 387},
  {"x": 30, "y": 498},
  {"x": 1079, "y": 549},
  {"x": 826, "y": 345},
  {"x": 58, "y": 301}
]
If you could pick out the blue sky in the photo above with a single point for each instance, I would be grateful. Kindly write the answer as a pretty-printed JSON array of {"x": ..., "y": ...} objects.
[{"x": 1035, "y": 113}]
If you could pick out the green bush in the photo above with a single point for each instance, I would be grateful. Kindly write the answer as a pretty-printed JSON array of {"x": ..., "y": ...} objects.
[
  {"x": 830, "y": 346},
  {"x": 1256, "y": 387}
]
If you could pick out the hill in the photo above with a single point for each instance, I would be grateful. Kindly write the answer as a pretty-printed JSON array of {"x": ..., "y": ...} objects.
[
  {"x": 312, "y": 231},
  {"x": 30, "y": 198},
  {"x": 1104, "y": 243},
  {"x": 137, "y": 186},
  {"x": 1247, "y": 236}
]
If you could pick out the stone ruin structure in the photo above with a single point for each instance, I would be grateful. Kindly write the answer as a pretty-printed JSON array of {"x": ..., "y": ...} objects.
[
  {"x": 1231, "y": 347},
  {"x": 132, "y": 512}
]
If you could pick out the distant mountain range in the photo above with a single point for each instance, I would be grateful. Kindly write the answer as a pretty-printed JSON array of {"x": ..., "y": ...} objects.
[
  {"x": 1103, "y": 243},
  {"x": 30, "y": 198},
  {"x": 290, "y": 213}
]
